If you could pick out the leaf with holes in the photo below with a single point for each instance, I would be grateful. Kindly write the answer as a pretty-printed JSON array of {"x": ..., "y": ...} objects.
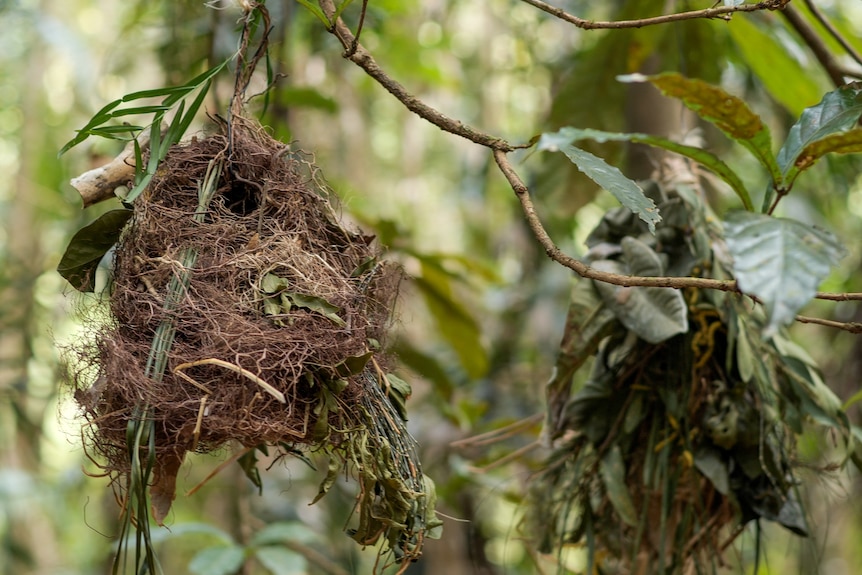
[
  {"x": 780, "y": 261},
  {"x": 608, "y": 177},
  {"x": 654, "y": 314}
]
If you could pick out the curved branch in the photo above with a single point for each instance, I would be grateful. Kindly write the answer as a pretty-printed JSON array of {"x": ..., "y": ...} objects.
[
  {"x": 818, "y": 47},
  {"x": 722, "y": 12},
  {"x": 356, "y": 53},
  {"x": 579, "y": 267},
  {"x": 818, "y": 15}
]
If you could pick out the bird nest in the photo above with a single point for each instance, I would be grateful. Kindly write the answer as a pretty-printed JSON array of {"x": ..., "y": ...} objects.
[{"x": 243, "y": 311}]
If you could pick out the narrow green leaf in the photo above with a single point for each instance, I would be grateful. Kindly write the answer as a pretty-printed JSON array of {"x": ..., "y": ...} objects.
[
  {"x": 839, "y": 110},
  {"x": 140, "y": 110},
  {"x": 315, "y": 9},
  {"x": 608, "y": 177},
  {"x": 780, "y": 261},
  {"x": 173, "y": 134},
  {"x": 613, "y": 472},
  {"x": 139, "y": 187},
  {"x": 122, "y": 129},
  {"x": 727, "y": 112},
  {"x": 703, "y": 157},
  {"x": 281, "y": 561},
  {"x": 222, "y": 560},
  {"x": 841, "y": 143},
  {"x": 248, "y": 463},
  {"x": 654, "y": 314},
  {"x": 98, "y": 118},
  {"x": 155, "y": 93},
  {"x": 86, "y": 248},
  {"x": 331, "y": 475},
  {"x": 193, "y": 109}
]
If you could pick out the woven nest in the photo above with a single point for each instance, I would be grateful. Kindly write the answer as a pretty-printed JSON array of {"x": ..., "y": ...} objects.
[
  {"x": 254, "y": 316},
  {"x": 681, "y": 434}
]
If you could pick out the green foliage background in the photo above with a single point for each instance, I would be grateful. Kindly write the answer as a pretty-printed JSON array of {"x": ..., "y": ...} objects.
[{"x": 480, "y": 323}]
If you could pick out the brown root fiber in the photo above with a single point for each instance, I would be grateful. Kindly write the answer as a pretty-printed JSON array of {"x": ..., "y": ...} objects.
[{"x": 273, "y": 330}]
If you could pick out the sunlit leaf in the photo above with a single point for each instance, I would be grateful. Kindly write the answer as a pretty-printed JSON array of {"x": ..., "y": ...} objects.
[
  {"x": 707, "y": 159},
  {"x": 457, "y": 326},
  {"x": 613, "y": 472},
  {"x": 654, "y": 314},
  {"x": 780, "y": 261},
  {"x": 839, "y": 110},
  {"x": 773, "y": 64},
  {"x": 86, "y": 248},
  {"x": 608, "y": 177},
  {"x": 728, "y": 113},
  {"x": 222, "y": 560}
]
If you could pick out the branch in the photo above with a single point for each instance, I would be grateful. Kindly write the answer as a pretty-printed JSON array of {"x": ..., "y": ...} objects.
[
  {"x": 722, "y": 12},
  {"x": 579, "y": 267},
  {"x": 98, "y": 184},
  {"x": 810, "y": 36},
  {"x": 818, "y": 15},
  {"x": 357, "y": 54},
  {"x": 853, "y": 327}
]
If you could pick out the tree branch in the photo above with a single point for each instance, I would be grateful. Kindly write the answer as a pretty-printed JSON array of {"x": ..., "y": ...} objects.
[
  {"x": 579, "y": 267},
  {"x": 356, "y": 53},
  {"x": 722, "y": 12},
  {"x": 818, "y": 15},
  {"x": 816, "y": 44}
]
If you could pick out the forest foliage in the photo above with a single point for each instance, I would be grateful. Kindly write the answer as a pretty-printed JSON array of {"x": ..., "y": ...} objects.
[{"x": 679, "y": 401}]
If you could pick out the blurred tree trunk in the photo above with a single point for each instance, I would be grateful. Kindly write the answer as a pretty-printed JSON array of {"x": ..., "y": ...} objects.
[{"x": 31, "y": 545}]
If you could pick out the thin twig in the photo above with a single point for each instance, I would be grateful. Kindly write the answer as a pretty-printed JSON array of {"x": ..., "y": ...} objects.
[
  {"x": 364, "y": 60},
  {"x": 853, "y": 327},
  {"x": 815, "y": 11},
  {"x": 722, "y": 12},
  {"x": 500, "y": 434}
]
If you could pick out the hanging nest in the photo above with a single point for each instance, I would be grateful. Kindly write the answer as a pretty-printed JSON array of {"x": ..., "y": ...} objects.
[
  {"x": 244, "y": 312},
  {"x": 685, "y": 429}
]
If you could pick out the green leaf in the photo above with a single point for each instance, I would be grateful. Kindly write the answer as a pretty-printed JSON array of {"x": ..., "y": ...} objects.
[
  {"x": 727, "y": 112},
  {"x": 353, "y": 365},
  {"x": 839, "y": 110},
  {"x": 710, "y": 463},
  {"x": 86, "y": 248},
  {"x": 315, "y": 9},
  {"x": 398, "y": 393},
  {"x": 272, "y": 284},
  {"x": 248, "y": 463},
  {"x": 455, "y": 323},
  {"x": 282, "y": 531},
  {"x": 773, "y": 64},
  {"x": 654, "y": 314},
  {"x": 281, "y": 561},
  {"x": 842, "y": 143},
  {"x": 319, "y": 305},
  {"x": 608, "y": 177},
  {"x": 140, "y": 110},
  {"x": 703, "y": 157},
  {"x": 222, "y": 560},
  {"x": 613, "y": 472},
  {"x": 780, "y": 261},
  {"x": 331, "y": 475}
]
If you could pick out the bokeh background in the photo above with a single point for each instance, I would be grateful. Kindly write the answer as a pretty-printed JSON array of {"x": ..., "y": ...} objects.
[{"x": 478, "y": 324}]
